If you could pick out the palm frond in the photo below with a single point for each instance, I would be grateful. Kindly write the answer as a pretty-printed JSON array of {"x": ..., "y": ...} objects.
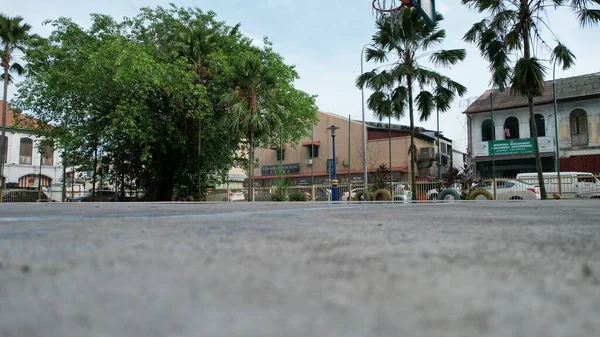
[
  {"x": 588, "y": 17},
  {"x": 563, "y": 56},
  {"x": 376, "y": 55},
  {"x": 446, "y": 58},
  {"x": 379, "y": 103},
  {"x": 528, "y": 77},
  {"x": 425, "y": 104},
  {"x": 474, "y": 33}
]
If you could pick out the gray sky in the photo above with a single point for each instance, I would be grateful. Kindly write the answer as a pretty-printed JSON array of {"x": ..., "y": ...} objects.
[{"x": 324, "y": 40}]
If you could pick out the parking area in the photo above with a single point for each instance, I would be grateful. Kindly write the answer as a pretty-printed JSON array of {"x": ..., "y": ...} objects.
[{"x": 518, "y": 268}]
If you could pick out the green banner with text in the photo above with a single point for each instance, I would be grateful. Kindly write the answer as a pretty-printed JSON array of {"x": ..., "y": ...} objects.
[{"x": 511, "y": 146}]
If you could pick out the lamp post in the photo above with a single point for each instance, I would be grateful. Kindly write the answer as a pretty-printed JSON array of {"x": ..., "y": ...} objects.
[
  {"x": 364, "y": 125},
  {"x": 556, "y": 143},
  {"x": 334, "y": 181}
]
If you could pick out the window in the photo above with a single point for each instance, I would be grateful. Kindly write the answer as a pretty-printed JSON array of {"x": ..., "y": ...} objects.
[
  {"x": 487, "y": 130},
  {"x": 539, "y": 124},
  {"x": 25, "y": 151},
  {"x": 280, "y": 154},
  {"x": 47, "y": 147},
  {"x": 315, "y": 151},
  {"x": 511, "y": 128},
  {"x": 5, "y": 144},
  {"x": 578, "y": 121}
]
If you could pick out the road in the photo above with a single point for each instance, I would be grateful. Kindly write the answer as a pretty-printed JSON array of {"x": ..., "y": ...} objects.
[{"x": 300, "y": 269}]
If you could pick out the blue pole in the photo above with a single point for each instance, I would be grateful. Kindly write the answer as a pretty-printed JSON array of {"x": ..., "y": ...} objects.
[{"x": 334, "y": 182}]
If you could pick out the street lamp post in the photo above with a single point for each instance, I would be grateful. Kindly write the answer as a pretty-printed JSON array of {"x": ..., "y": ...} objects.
[
  {"x": 364, "y": 125},
  {"x": 556, "y": 143},
  {"x": 334, "y": 181}
]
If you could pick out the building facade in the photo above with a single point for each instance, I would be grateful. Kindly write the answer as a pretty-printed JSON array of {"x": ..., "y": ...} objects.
[
  {"x": 28, "y": 160},
  {"x": 501, "y": 136},
  {"x": 304, "y": 168}
]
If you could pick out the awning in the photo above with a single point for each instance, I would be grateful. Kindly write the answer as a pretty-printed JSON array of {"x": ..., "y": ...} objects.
[{"x": 315, "y": 143}]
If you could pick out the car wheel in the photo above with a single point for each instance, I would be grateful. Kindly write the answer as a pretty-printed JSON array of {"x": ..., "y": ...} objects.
[
  {"x": 484, "y": 193},
  {"x": 448, "y": 192}
]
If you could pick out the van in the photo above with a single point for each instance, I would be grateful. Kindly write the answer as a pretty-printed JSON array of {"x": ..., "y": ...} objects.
[{"x": 573, "y": 184}]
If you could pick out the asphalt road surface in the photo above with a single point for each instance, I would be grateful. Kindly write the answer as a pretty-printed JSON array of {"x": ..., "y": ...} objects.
[{"x": 300, "y": 269}]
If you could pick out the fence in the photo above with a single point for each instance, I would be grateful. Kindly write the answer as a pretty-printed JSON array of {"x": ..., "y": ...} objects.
[{"x": 572, "y": 186}]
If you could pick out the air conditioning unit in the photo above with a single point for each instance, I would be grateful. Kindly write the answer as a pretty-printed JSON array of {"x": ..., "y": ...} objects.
[
  {"x": 308, "y": 161},
  {"x": 427, "y": 153}
]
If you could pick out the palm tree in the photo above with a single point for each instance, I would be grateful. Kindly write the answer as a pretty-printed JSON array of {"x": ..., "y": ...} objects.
[
  {"x": 250, "y": 106},
  {"x": 13, "y": 36},
  {"x": 505, "y": 39},
  {"x": 400, "y": 43},
  {"x": 195, "y": 45}
]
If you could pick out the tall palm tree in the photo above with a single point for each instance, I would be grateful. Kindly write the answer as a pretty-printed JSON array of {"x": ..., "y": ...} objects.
[
  {"x": 252, "y": 110},
  {"x": 505, "y": 39},
  {"x": 401, "y": 42},
  {"x": 13, "y": 36},
  {"x": 195, "y": 45}
]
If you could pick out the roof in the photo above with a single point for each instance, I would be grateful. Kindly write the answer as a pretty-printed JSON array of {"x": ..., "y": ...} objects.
[
  {"x": 567, "y": 89},
  {"x": 17, "y": 120}
]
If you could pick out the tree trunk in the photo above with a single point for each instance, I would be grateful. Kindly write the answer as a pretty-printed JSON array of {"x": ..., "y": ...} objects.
[
  {"x": 527, "y": 55},
  {"x": 95, "y": 168},
  {"x": 413, "y": 155},
  {"x": 4, "y": 111}
]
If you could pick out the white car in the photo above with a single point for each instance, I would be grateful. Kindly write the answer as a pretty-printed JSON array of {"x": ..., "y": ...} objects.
[
  {"x": 509, "y": 190},
  {"x": 344, "y": 196},
  {"x": 403, "y": 193}
]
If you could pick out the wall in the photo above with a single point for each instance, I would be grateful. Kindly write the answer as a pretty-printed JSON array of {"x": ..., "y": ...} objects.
[{"x": 13, "y": 170}]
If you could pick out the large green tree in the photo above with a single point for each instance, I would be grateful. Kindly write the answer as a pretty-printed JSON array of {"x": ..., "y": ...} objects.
[
  {"x": 13, "y": 37},
  {"x": 505, "y": 39},
  {"x": 401, "y": 42},
  {"x": 136, "y": 92}
]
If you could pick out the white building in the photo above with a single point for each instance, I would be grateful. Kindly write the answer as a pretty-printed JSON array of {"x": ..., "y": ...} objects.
[
  {"x": 506, "y": 145},
  {"x": 24, "y": 163}
]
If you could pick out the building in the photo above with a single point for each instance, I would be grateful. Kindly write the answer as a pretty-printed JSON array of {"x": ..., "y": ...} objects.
[
  {"x": 301, "y": 166},
  {"x": 27, "y": 158},
  {"x": 578, "y": 128}
]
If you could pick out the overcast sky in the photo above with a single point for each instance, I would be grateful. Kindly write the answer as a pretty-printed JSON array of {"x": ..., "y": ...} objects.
[{"x": 324, "y": 38}]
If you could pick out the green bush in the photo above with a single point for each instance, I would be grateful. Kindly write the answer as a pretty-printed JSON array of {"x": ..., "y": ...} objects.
[{"x": 297, "y": 196}]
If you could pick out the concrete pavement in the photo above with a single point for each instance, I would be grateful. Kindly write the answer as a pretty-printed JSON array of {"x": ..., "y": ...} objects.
[{"x": 300, "y": 269}]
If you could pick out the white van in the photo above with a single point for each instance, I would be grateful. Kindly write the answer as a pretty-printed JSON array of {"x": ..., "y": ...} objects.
[{"x": 573, "y": 184}]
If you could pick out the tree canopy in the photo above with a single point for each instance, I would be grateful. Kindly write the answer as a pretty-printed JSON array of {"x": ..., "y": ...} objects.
[{"x": 138, "y": 91}]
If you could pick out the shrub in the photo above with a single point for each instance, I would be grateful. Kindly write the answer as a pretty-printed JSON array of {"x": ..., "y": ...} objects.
[{"x": 297, "y": 196}]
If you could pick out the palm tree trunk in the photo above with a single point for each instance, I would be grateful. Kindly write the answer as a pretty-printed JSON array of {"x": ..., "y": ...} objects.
[
  {"x": 4, "y": 111},
  {"x": 95, "y": 168},
  {"x": 536, "y": 149},
  {"x": 413, "y": 159}
]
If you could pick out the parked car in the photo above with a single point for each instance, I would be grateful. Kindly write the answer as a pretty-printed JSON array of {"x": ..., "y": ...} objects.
[
  {"x": 22, "y": 195},
  {"x": 352, "y": 193},
  {"x": 573, "y": 184},
  {"x": 100, "y": 196},
  {"x": 507, "y": 189},
  {"x": 403, "y": 193}
]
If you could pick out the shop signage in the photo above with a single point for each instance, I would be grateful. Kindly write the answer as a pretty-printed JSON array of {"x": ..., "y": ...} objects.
[{"x": 271, "y": 170}]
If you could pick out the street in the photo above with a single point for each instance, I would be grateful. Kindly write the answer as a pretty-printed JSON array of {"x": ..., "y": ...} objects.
[{"x": 300, "y": 269}]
